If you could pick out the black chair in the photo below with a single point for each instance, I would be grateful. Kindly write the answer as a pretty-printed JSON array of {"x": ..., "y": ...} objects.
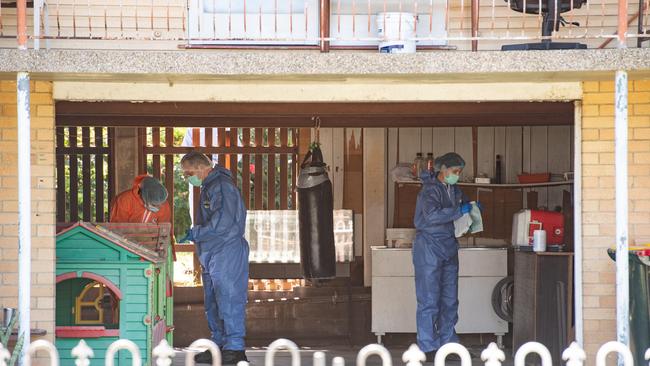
[{"x": 551, "y": 21}]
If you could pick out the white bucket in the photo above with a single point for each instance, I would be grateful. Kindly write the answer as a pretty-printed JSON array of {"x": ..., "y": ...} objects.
[{"x": 396, "y": 31}]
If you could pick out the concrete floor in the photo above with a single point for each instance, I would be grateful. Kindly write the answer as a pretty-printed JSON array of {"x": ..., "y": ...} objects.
[{"x": 256, "y": 356}]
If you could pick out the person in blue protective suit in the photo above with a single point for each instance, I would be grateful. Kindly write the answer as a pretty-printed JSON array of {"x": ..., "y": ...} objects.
[
  {"x": 218, "y": 235},
  {"x": 435, "y": 253}
]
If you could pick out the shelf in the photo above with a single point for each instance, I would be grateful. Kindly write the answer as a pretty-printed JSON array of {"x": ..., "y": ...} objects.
[{"x": 514, "y": 185}]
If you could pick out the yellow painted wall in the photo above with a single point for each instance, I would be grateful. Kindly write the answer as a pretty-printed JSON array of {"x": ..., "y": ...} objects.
[
  {"x": 599, "y": 198},
  {"x": 43, "y": 203}
]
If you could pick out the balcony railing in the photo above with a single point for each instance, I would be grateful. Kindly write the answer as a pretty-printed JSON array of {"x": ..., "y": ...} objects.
[{"x": 321, "y": 24}]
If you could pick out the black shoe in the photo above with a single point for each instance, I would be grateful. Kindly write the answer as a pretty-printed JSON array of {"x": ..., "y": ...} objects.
[
  {"x": 203, "y": 357},
  {"x": 431, "y": 355},
  {"x": 229, "y": 357}
]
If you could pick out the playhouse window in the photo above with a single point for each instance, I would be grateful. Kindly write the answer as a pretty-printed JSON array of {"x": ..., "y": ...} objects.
[{"x": 96, "y": 304}]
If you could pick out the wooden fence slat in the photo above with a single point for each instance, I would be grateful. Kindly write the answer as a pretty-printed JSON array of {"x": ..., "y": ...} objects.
[
  {"x": 155, "y": 136},
  {"x": 60, "y": 176},
  {"x": 74, "y": 177},
  {"x": 221, "y": 138},
  {"x": 207, "y": 136},
  {"x": 196, "y": 201},
  {"x": 245, "y": 168},
  {"x": 85, "y": 173},
  {"x": 142, "y": 157},
  {"x": 259, "y": 172},
  {"x": 294, "y": 169},
  {"x": 111, "y": 168},
  {"x": 169, "y": 171},
  {"x": 271, "y": 171},
  {"x": 99, "y": 176},
  {"x": 284, "y": 179},
  {"x": 233, "y": 157}
]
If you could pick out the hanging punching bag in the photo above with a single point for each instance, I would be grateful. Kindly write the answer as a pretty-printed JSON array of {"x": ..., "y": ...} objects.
[{"x": 316, "y": 219}]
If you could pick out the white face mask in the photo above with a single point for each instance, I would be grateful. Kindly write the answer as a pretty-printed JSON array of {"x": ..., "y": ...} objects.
[{"x": 152, "y": 208}]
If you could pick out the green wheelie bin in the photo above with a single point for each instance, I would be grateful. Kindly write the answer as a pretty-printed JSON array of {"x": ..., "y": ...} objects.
[{"x": 639, "y": 269}]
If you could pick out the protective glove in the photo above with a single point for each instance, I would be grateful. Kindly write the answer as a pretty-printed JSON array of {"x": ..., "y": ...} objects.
[
  {"x": 465, "y": 208},
  {"x": 188, "y": 237},
  {"x": 480, "y": 206}
]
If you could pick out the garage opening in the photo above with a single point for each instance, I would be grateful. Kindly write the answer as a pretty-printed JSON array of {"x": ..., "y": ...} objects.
[{"x": 519, "y": 157}]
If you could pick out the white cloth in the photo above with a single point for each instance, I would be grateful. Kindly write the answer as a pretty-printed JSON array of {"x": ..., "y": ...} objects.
[
  {"x": 402, "y": 172},
  {"x": 471, "y": 222},
  {"x": 477, "y": 219},
  {"x": 462, "y": 224}
]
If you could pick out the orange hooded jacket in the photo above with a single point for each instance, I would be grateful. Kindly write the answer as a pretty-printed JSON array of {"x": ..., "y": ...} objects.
[{"x": 129, "y": 207}]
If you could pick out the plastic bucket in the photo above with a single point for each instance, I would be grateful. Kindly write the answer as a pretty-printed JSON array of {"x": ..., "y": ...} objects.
[{"x": 396, "y": 31}]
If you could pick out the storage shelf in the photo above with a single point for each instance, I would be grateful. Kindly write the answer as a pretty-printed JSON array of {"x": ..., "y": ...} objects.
[{"x": 514, "y": 185}]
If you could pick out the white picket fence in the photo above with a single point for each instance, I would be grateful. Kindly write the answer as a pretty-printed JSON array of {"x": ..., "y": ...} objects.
[{"x": 491, "y": 356}]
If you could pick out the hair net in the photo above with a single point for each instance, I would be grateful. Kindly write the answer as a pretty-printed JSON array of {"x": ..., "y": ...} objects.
[
  {"x": 449, "y": 160},
  {"x": 152, "y": 192}
]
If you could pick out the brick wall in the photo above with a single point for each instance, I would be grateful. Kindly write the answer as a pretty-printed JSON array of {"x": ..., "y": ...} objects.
[
  {"x": 43, "y": 202},
  {"x": 599, "y": 198}
]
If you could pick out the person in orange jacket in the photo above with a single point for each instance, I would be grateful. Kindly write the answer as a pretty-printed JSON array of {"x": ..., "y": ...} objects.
[{"x": 146, "y": 202}]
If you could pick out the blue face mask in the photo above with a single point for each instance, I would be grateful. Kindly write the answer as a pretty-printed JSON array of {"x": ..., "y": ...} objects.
[
  {"x": 195, "y": 181},
  {"x": 452, "y": 179}
]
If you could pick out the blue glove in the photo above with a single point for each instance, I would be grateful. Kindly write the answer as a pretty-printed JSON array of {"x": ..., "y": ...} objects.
[
  {"x": 479, "y": 205},
  {"x": 466, "y": 208},
  {"x": 188, "y": 237}
]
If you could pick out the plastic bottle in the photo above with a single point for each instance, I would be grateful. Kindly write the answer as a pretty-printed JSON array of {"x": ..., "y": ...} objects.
[
  {"x": 430, "y": 162},
  {"x": 497, "y": 178},
  {"x": 418, "y": 165}
]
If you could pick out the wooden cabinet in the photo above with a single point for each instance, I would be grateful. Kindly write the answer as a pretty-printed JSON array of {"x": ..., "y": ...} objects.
[
  {"x": 543, "y": 302},
  {"x": 406, "y": 194}
]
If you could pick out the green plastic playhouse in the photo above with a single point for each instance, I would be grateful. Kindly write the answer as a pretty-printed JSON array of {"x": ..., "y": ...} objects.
[{"x": 113, "y": 281}]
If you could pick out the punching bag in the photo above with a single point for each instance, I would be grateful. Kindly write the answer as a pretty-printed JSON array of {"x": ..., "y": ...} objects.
[{"x": 316, "y": 218}]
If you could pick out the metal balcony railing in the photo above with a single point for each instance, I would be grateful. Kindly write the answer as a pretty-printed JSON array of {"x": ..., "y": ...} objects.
[{"x": 320, "y": 24}]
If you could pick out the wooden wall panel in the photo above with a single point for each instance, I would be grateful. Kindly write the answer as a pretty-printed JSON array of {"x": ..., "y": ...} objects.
[
  {"x": 374, "y": 193},
  {"x": 393, "y": 153},
  {"x": 539, "y": 158},
  {"x": 513, "y": 156},
  {"x": 500, "y": 149},
  {"x": 486, "y": 155},
  {"x": 409, "y": 144},
  {"x": 337, "y": 165},
  {"x": 332, "y": 146},
  {"x": 559, "y": 149},
  {"x": 463, "y": 146},
  {"x": 443, "y": 140},
  {"x": 426, "y": 140}
]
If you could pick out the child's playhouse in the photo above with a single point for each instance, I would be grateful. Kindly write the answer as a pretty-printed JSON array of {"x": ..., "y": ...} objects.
[{"x": 113, "y": 281}]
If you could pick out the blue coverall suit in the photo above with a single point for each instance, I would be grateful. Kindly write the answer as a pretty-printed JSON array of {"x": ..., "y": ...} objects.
[
  {"x": 435, "y": 259},
  {"x": 223, "y": 252}
]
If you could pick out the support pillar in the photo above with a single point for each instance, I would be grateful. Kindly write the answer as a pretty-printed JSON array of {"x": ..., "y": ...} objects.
[
  {"x": 622, "y": 244},
  {"x": 24, "y": 210}
]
